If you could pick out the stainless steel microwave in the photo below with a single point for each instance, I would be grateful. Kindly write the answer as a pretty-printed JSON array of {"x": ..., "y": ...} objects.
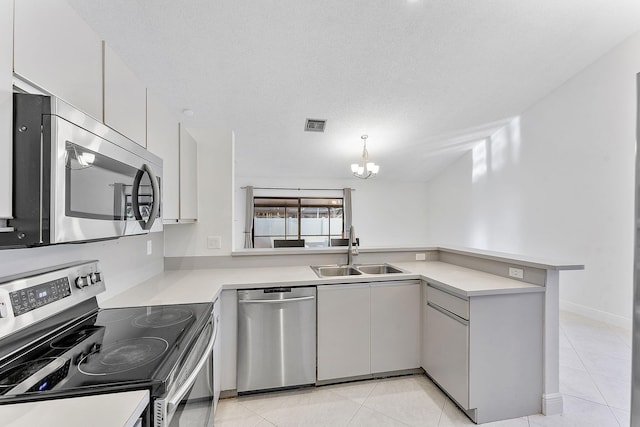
[{"x": 77, "y": 180}]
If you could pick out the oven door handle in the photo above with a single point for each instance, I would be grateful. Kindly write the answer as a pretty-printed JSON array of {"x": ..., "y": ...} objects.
[{"x": 175, "y": 400}]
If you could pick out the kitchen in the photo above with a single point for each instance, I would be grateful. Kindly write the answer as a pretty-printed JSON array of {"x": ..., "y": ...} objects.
[{"x": 498, "y": 210}]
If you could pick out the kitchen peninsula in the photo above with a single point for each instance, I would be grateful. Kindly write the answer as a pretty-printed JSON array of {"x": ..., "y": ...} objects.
[{"x": 480, "y": 282}]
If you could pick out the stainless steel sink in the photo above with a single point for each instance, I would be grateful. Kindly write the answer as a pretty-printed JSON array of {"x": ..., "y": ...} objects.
[
  {"x": 354, "y": 270},
  {"x": 379, "y": 269},
  {"x": 335, "y": 270}
]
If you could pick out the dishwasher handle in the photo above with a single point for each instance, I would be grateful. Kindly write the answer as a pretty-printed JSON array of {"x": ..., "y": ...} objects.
[{"x": 275, "y": 301}]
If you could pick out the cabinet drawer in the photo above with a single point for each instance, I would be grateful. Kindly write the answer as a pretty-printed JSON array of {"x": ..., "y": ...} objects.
[{"x": 456, "y": 305}]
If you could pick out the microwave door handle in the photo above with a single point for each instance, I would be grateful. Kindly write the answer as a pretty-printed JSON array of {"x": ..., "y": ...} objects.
[
  {"x": 155, "y": 196},
  {"x": 180, "y": 393},
  {"x": 155, "y": 203}
]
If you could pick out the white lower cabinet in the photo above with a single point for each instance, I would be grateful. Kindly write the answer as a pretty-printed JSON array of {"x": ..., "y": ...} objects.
[
  {"x": 448, "y": 356},
  {"x": 486, "y": 351},
  {"x": 344, "y": 340},
  {"x": 228, "y": 339},
  {"x": 368, "y": 328},
  {"x": 395, "y": 326}
]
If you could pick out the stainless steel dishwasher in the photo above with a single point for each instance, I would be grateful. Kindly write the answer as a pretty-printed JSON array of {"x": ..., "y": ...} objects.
[{"x": 276, "y": 338}]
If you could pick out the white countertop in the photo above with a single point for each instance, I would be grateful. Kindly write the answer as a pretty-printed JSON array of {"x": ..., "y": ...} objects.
[
  {"x": 465, "y": 281},
  {"x": 192, "y": 286},
  {"x": 104, "y": 410}
]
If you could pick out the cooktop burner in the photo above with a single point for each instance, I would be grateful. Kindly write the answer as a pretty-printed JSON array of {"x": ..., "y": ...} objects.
[
  {"x": 161, "y": 317},
  {"x": 123, "y": 356}
]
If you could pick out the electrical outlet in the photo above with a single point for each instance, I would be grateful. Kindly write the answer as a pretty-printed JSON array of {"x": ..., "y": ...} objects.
[
  {"x": 518, "y": 273},
  {"x": 214, "y": 242},
  {"x": 421, "y": 257},
  {"x": 149, "y": 247}
]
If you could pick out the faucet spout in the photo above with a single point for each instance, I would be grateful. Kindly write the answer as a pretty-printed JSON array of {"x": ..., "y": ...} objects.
[{"x": 352, "y": 249}]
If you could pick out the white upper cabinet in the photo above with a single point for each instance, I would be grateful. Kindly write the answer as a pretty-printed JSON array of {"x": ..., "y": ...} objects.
[
  {"x": 188, "y": 177},
  {"x": 6, "y": 107},
  {"x": 125, "y": 98},
  {"x": 163, "y": 139},
  {"x": 57, "y": 51}
]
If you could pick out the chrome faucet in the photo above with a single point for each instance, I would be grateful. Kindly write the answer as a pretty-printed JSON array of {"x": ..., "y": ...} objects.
[{"x": 352, "y": 249}]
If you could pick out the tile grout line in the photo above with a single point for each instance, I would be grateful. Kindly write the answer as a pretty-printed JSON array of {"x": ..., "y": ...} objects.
[
  {"x": 569, "y": 340},
  {"x": 444, "y": 403},
  {"x": 595, "y": 383},
  {"x": 588, "y": 373}
]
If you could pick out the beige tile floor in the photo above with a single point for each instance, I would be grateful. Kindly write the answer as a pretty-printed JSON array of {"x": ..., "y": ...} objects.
[{"x": 595, "y": 374}]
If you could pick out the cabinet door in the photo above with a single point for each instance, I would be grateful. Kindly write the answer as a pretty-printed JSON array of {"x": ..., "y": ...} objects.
[
  {"x": 343, "y": 331},
  {"x": 125, "y": 98},
  {"x": 56, "y": 50},
  {"x": 395, "y": 326},
  {"x": 163, "y": 139},
  {"x": 6, "y": 108},
  {"x": 188, "y": 177},
  {"x": 447, "y": 353}
]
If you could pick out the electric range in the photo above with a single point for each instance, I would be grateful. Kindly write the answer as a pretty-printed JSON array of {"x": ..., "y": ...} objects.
[{"x": 55, "y": 342}]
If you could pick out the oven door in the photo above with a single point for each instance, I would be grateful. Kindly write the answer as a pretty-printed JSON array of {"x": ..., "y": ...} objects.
[
  {"x": 100, "y": 190},
  {"x": 189, "y": 401}
]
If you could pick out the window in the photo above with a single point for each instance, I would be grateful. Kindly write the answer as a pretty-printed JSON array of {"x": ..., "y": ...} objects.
[{"x": 314, "y": 219}]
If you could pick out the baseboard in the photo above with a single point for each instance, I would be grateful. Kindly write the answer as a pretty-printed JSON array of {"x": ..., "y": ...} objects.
[
  {"x": 552, "y": 404},
  {"x": 592, "y": 313}
]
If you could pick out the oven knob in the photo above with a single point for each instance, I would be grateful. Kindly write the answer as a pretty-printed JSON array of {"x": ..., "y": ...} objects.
[
  {"x": 3, "y": 310},
  {"x": 92, "y": 278},
  {"x": 98, "y": 276},
  {"x": 81, "y": 282},
  {"x": 79, "y": 358}
]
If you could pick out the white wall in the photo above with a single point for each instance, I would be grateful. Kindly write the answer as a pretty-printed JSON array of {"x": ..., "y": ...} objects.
[
  {"x": 124, "y": 261},
  {"x": 215, "y": 180},
  {"x": 385, "y": 213},
  {"x": 557, "y": 183}
]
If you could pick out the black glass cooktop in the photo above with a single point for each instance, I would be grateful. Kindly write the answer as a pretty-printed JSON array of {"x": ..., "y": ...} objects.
[{"x": 112, "y": 348}]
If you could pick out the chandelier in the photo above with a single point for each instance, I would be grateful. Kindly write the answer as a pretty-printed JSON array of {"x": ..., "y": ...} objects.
[{"x": 367, "y": 169}]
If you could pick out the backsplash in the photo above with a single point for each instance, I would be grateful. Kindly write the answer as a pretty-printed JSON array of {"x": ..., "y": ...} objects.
[{"x": 124, "y": 261}]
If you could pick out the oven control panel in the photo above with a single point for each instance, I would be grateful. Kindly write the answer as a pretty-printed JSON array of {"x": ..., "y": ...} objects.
[
  {"x": 25, "y": 300},
  {"x": 34, "y": 296}
]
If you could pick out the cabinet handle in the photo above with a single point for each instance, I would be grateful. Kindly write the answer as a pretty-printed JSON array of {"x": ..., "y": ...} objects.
[{"x": 448, "y": 313}]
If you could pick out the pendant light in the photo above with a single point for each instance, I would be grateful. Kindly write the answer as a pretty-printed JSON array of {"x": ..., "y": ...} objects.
[{"x": 367, "y": 169}]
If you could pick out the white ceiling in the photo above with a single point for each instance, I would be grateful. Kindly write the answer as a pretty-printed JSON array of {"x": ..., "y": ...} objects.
[{"x": 423, "y": 78}]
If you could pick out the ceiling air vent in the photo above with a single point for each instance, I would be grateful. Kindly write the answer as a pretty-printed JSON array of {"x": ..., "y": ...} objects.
[{"x": 314, "y": 125}]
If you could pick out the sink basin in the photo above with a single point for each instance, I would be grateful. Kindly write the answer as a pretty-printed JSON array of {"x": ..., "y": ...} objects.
[
  {"x": 379, "y": 269},
  {"x": 335, "y": 270},
  {"x": 354, "y": 270}
]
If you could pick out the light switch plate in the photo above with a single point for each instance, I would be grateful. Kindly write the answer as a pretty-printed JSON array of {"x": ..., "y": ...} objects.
[
  {"x": 421, "y": 257},
  {"x": 149, "y": 247},
  {"x": 517, "y": 273}
]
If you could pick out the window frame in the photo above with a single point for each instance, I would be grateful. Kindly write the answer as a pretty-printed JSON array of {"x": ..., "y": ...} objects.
[{"x": 299, "y": 206}]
